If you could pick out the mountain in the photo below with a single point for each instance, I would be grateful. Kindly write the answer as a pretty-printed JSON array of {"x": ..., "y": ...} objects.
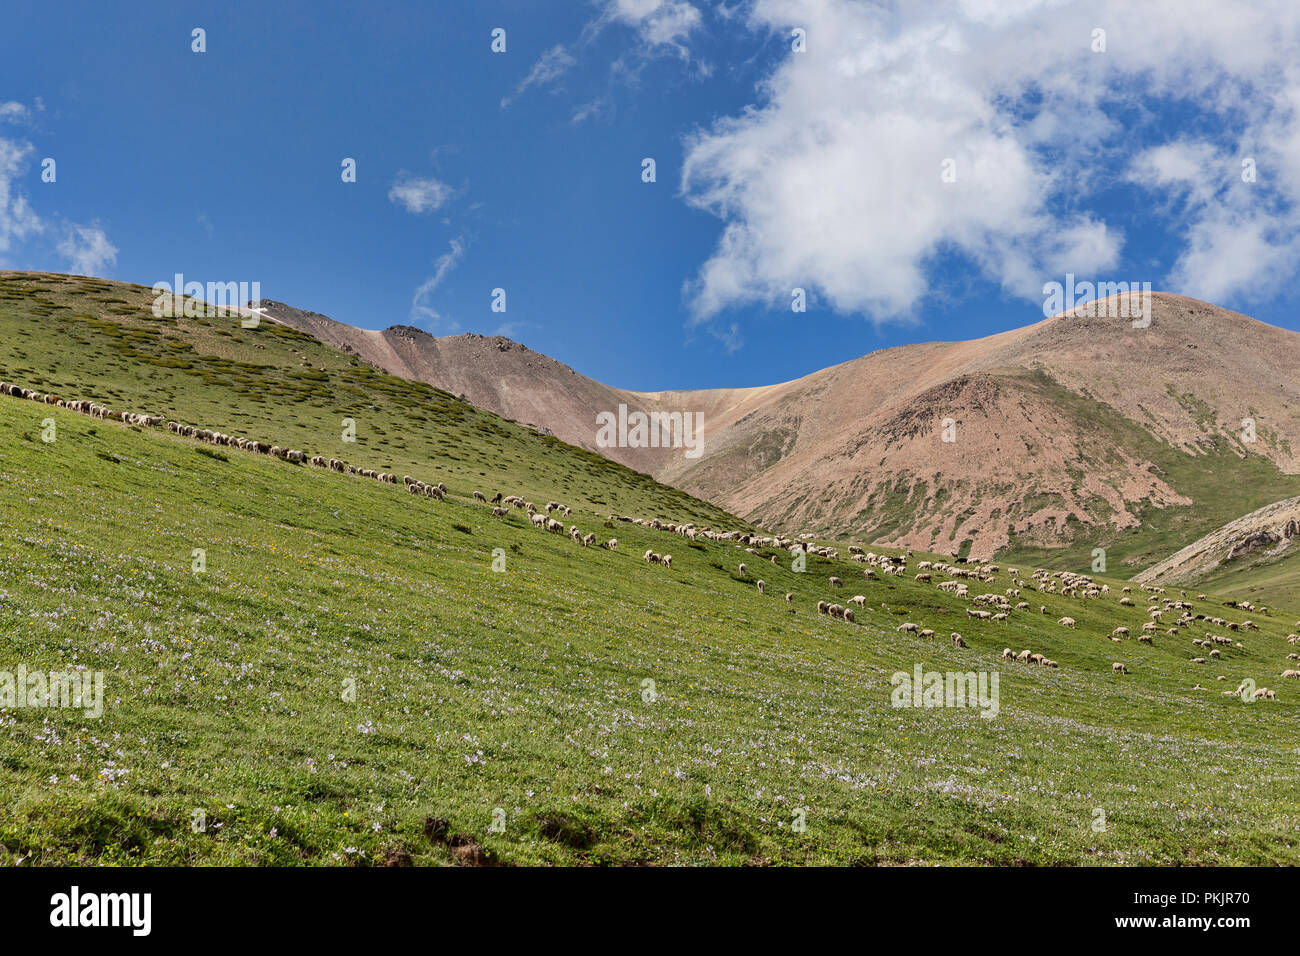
[{"x": 1074, "y": 433}]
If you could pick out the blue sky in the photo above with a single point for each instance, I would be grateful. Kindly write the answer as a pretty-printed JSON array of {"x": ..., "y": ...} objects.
[{"x": 522, "y": 170}]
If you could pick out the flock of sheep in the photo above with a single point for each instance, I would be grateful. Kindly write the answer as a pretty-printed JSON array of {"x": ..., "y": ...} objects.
[{"x": 991, "y": 606}]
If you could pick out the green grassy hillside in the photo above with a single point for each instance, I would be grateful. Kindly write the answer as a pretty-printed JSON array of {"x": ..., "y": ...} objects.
[
  {"x": 1276, "y": 579},
  {"x": 521, "y": 695},
  {"x": 93, "y": 339}
]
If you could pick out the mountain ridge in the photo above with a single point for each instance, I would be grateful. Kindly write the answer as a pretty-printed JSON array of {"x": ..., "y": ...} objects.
[{"x": 857, "y": 448}]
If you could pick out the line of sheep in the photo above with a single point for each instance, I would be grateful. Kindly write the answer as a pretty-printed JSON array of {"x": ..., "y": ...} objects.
[{"x": 413, "y": 486}]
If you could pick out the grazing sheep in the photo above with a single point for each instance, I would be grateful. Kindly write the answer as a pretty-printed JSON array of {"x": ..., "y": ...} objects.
[
  {"x": 743, "y": 572},
  {"x": 848, "y": 615},
  {"x": 612, "y": 544},
  {"x": 556, "y": 526},
  {"x": 497, "y": 498},
  {"x": 1024, "y": 656},
  {"x": 789, "y": 598},
  {"x": 1145, "y": 639},
  {"x": 1036, "y": 658},
  {"x": 912, "y": 628},
  {"x": 1066, "y": 622},
  {"x": 649, "y": 554},
  {"x": 1291, "y": 674},
  {"x": 1216, "y": 653},
  {"x": 957, "y": 640},
  {"x": 1264, "y": 693},
  {"x": 1119, "y": 668},
  {"x": 668, "y": 561},
  {"x": 1047, "y": 663},
  {"x": 479, "y": 496},
  {"x": 836, "y": 582},
  {"x": 1198, "y": 660},
  {"x": 589, "y": 539},
  {"x": 858, "y": 599},
  {"x": 1120, "y": 632},
  {"x": 539, "y": 521},
  {"x": 500, "y": 512},
  {"x": 762, "y": 588},
  {"x": 1008, "y": 654},
  {"x": 821, "y": 607}
]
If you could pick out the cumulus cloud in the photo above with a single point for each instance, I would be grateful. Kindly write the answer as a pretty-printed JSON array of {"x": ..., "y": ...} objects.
[
  {"x": 419, "y": 194},
  {"x": 421, "y": 308},
  {"x": 552, "y": 64},
  {"x": 832, "y": 180},
  {"x": 87, "y": 250}
]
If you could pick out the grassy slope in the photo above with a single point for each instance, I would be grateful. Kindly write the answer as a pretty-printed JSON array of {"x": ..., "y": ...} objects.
[
  {"x": 1276, "y": 579},
  {"x": 89, "y": 338},
  {"x": 522, "y": 690}
]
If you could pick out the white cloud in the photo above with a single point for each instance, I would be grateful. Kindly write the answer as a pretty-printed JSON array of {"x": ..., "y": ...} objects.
[
  {"x": 421, "y": 310},
  {"x": 549, "y": 67},
  {"x": 595, "y": 109},
  {"x": 658, "y": 22},
  {"x": 831, "y": 181},
  {"x": 87, "y": 250},
  {"x": 17, "y": 219},
  {"x": 419, "y": 194}
]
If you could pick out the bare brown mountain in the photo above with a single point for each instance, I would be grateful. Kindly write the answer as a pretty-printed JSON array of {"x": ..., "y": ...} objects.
[{"x": 1077, "y": 422}]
